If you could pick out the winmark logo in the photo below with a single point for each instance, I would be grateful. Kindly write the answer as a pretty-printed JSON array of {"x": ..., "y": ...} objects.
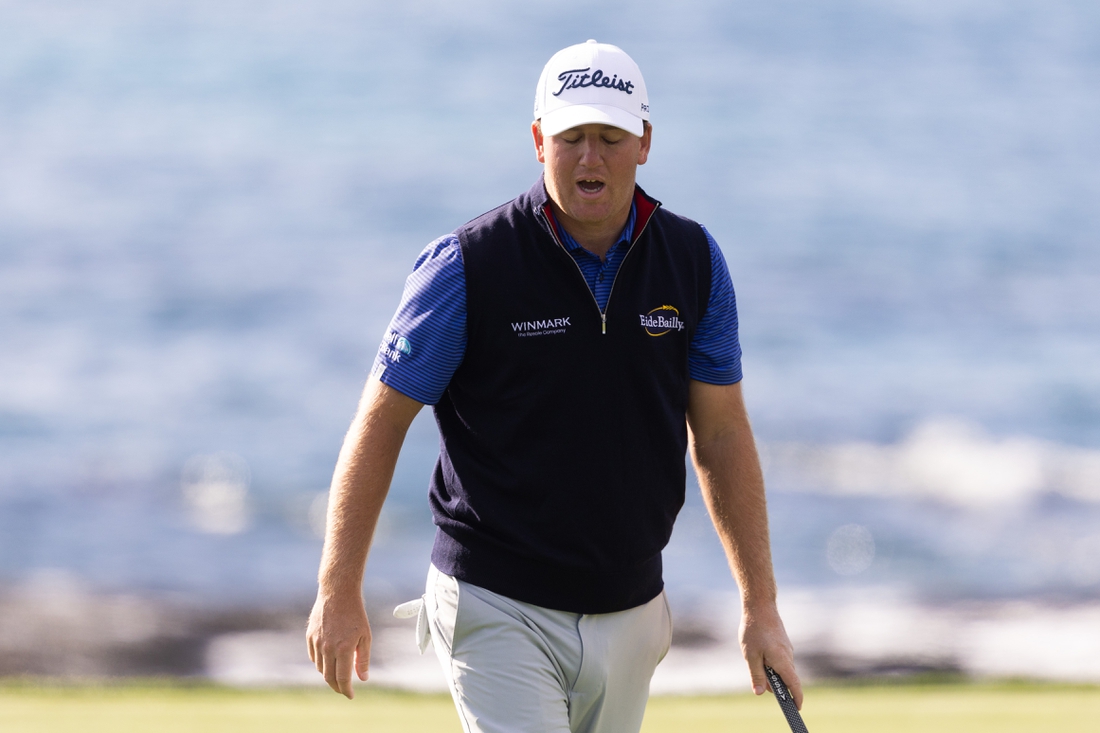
[
  {"x": 394, "y": 346},
  {"x": 662, "y": 320},
  {"x": 548, "y": 327}
]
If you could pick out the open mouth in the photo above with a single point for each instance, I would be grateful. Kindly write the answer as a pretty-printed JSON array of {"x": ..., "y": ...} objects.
[{"x": 590, "y": 186}]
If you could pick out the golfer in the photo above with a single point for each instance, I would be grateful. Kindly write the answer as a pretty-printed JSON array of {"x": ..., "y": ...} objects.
[{"x": 575, "y": 343}]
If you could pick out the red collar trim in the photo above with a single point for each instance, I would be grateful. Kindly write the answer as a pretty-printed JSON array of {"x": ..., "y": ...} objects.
[
  {"x": 553, "y": 220},
  {"x": 644, "y": 207}
]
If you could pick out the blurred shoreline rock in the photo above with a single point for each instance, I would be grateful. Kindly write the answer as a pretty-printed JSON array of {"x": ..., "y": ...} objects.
[{"x": 53, "y": 627}]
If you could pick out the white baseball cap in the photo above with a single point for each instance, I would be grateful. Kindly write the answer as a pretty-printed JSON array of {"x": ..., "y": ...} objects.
[{"x": 591, "y": 83}]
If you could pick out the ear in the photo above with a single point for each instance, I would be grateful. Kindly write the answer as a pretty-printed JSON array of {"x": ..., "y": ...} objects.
[
  {"x": 536, "y": 133},
  {"x": 647, "y": 139}
]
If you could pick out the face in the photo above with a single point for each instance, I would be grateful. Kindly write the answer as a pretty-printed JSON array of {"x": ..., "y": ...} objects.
[{"x": 590, "y": 171}]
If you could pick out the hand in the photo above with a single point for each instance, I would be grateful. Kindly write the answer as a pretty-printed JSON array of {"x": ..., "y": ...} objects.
[
  {"x": 764, "y": 641},
  {"x": 338, "y": 639}
]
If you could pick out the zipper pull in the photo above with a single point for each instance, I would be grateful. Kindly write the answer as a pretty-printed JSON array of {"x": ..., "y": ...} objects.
[{"x": 603, "y": 318}]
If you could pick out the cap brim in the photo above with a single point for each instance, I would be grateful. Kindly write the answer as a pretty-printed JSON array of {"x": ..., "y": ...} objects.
[{"x": 560, "y": 120}]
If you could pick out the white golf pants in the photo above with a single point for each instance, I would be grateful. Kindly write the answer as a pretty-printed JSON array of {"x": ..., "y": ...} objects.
[{"x": 514, "y": 667}]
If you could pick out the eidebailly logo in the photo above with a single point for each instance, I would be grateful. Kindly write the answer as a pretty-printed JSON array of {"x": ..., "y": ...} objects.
[
  {"x": 662, "y": 320},
  {"x": 396, "y": 347}
]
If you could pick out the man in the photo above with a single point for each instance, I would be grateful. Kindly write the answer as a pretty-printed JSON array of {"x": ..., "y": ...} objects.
[{"x": 574, "y": 343}]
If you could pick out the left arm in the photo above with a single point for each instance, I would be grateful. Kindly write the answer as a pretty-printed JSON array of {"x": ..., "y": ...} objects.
[{"x": 725, "y": 458}]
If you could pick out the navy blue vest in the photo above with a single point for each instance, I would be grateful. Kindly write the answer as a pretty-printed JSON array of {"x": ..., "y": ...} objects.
[{"x": 563, "y": 435}]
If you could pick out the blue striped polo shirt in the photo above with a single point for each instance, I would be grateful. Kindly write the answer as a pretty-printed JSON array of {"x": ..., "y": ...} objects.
[{"x": 426, "y": 339}]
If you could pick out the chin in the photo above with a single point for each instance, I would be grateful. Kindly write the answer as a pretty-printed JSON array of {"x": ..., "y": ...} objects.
[{"x": 590, "y": 216}]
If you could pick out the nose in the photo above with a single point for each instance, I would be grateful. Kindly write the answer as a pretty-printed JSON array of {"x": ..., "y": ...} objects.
[{"x": 591, "y": 152}]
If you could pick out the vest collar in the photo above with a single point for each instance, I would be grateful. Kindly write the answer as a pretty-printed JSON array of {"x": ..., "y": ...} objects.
[{"x": 538, "y": 201}]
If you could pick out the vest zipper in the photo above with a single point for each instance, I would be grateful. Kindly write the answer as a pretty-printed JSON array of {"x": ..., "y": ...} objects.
[
  {"x": 603, "y": 311},
  {"x": 637, "y": 236},
  {"x": 554, "y": 234}
]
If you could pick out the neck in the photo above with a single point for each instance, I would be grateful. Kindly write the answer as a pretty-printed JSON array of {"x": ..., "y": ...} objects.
[{"x": 596, "y": 237}]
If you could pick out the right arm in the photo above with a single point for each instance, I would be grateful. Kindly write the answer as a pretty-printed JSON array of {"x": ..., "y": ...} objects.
[{"x": 338, "y": 635}]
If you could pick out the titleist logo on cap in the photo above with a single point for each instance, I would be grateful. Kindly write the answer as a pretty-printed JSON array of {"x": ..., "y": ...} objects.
[
  {"x": 591, "y": 84},
  {"x": 579, "y": 78}
]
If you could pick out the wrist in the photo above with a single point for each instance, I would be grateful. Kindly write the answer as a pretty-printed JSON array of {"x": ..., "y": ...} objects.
[
  {"x": 757, "y": 605},
  {"x": 339, "y": 595}
]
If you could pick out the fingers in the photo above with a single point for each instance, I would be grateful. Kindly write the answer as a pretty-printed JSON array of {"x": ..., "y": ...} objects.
[
  {"x": 759, "y": 678},
  {"x": 336, "y": 665},
  {"x": 340, "y": 671},
  {"x": 338, "y": 641},
  {"x": 784, "y": 667},
  {"x": 764, "y": 642},
  {"x": 790, "y": 678},
  {"x": 329, "y": 669},
  {"x": 362, "y": 658}
]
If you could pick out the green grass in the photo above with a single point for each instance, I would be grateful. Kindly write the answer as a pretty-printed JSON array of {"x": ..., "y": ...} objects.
[
  {"x": 893, "y": 709},
  {"x": 134, "y": 709},
  {"x": 168, "y": 708}
]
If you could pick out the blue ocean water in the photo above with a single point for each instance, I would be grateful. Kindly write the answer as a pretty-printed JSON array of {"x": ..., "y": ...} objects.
[{"x": 207, "y": 211}]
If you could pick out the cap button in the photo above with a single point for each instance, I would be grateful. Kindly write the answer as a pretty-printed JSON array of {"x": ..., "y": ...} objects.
[{"x": 591, "y": 40}]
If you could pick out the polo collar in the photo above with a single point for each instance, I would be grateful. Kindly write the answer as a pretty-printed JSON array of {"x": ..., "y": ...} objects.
[
  {"x": 642, "y": 211},
  {"x": 626, "y": 236}
]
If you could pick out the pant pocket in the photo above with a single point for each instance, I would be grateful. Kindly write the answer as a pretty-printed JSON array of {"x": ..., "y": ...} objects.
[
  {"x": 441, "y": 605},
  {"x": 668, "y": 626}
]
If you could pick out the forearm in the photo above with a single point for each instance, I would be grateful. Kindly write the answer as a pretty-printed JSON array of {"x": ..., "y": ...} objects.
[
  {"x": 728, "y": 466},
  {"x": 733, "y": 488},
  {"x": 360, "y": 483},
  {"x": 338, "y": 635}
]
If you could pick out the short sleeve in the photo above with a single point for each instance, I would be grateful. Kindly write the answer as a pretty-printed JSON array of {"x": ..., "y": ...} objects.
[
  {"x": 714, "y": 355},
  {"x": 426, "y": 340}
]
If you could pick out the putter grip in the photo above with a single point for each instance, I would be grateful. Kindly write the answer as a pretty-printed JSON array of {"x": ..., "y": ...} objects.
[{"x": 786, "y": 702}]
